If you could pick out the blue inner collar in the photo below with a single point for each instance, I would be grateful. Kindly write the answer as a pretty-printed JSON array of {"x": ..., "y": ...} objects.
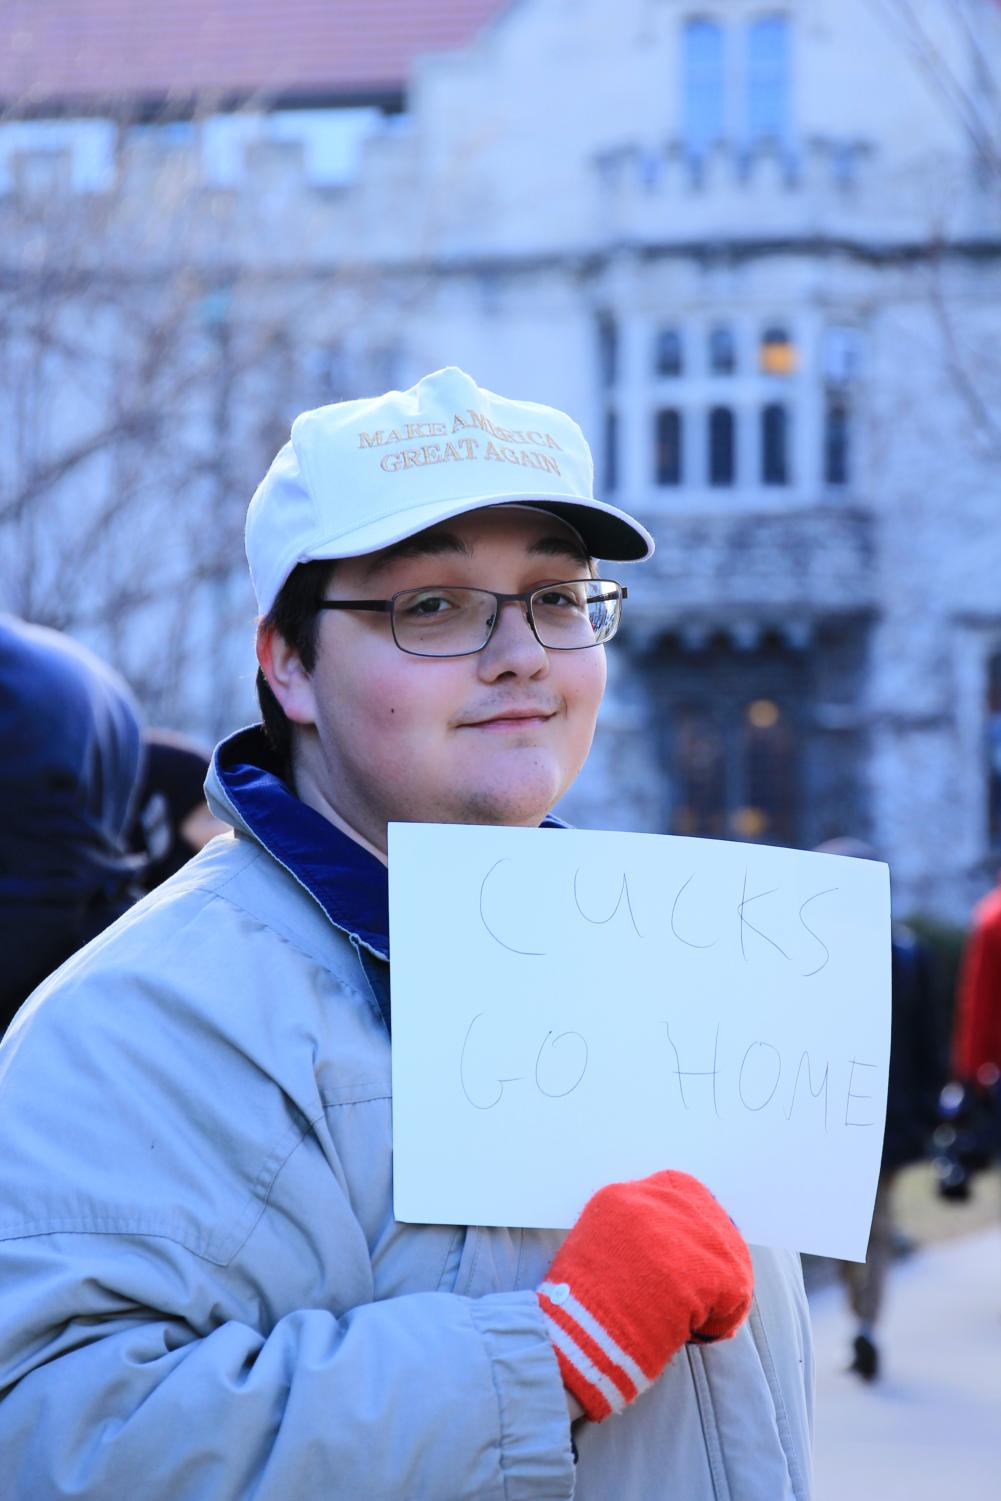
[{"x": 349, "y": 883}]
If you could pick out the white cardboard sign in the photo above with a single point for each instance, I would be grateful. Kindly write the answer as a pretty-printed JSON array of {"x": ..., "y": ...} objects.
[{"x": 575, "y": 1007}]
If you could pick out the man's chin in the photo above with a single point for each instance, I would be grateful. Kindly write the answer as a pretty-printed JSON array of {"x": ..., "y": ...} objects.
[{"x": 520, "y": 806}]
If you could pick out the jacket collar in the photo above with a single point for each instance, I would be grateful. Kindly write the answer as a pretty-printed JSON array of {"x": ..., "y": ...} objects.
[{"x": 245, "y": 787}]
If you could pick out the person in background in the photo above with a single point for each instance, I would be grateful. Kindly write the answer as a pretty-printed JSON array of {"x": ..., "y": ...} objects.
[
  {"x": 917, "y": 1070},
  {"x": 969, "y": 1137},
  {"x": 69, "y": 771},
  {"x": 976, "y": 1040},
  {"x": 174, "y": 821}
]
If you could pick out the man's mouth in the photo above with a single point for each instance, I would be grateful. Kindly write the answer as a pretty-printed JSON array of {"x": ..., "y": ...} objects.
[{"x": 523, "y": 718}]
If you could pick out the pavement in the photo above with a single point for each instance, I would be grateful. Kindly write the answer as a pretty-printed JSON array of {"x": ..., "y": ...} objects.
[{"x": 930, "y": 1427}]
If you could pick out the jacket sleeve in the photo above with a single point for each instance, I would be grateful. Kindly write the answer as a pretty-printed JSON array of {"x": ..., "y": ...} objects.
[
  {"x": 425, "y": 1395},
  {"x": 187, "y": 1306}
]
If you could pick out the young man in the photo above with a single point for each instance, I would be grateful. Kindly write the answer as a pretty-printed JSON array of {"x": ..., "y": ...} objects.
[{"x": 205, "y": 1294}]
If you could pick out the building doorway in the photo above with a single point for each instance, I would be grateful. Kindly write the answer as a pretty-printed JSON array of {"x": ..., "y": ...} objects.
[{"x": 733, "y": 725}]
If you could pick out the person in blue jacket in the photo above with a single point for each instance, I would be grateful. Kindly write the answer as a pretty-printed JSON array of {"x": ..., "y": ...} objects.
[{"x": 72, "y": 757}]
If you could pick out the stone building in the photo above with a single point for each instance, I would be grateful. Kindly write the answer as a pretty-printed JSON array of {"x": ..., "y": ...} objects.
[{"x": 756, "y": 248}]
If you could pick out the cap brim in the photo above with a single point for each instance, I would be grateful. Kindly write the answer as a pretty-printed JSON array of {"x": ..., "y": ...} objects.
[{"x": 606, "y": 531}]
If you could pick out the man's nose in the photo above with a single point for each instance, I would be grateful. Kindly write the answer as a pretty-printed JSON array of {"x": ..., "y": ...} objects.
[{"x": 513, "y": 646}]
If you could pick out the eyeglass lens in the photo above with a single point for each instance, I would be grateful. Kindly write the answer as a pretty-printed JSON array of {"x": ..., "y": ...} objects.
[{"x": 445, "y": 622}]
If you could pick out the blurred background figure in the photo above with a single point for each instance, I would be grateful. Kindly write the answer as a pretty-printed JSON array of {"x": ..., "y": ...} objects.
[
  {"x": 72, "y": 758},
  {"x": 917, "y": 1071},
  {"x": 173, "y": 821},
  {"x": 976, "y": 1053},
  {"x": 968, "y": 1138}
]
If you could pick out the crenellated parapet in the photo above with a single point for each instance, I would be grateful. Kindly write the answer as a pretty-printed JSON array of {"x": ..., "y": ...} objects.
[
  {"x": 755, "y": 572},
  {"x": 672, "y": 167},
  {"x": 844, "y": 189}
]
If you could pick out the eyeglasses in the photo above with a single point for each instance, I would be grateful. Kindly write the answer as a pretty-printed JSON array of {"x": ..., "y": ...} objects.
[{"x": 442, "y": 621}]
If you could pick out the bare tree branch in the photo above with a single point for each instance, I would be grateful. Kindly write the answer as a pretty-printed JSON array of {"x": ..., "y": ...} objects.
[
  {"x": 978, "y": 395},
  {"x": 981, "y": 131}
]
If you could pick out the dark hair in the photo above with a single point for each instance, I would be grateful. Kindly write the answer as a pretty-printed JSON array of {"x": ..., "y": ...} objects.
[{"x": 295, "y": 617}]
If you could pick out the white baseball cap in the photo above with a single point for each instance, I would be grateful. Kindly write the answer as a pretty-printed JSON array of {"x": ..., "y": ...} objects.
[{"x": 359, "y": 475}]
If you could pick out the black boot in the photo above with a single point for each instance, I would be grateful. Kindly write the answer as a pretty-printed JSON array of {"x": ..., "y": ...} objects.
[{"x": 865, "y": 1361}]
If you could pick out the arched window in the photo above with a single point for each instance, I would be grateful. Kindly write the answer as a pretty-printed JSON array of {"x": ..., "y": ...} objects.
[
  {"x": 722, "y": 351},
  {"x": 721, "y": 447},
  {"x": 768, "y": 79},
  {"x": 610, "y": 457},
  {"x": 667, "y": 444},
  {"x": 777, "y": 352},
  {"x": 994, "y": 749},
  {"x": 668, "y": 353},
  {"x": 836, "y": 441},
  {"x": 774, "y": 444},
  {"x": 703, "y": 91}
]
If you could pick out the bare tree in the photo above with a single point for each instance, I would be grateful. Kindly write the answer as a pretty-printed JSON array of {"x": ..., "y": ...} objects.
[
  {"x": 957, "y": 45},
  {"x": 953, "y": 50},
  {"x": 152, "y": 353}
]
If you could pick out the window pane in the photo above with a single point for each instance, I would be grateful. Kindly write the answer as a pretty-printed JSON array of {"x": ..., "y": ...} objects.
[
  {"x": 702, "y": 89},
  {"x": 732, "y": 742},
  {"x": 722, "y": 351},
  {"x": 610, "y": 468},
  {"x": 774, "y": 445},
  {"x": 768, "y": 58},
  {"x": 608, "y": 350},
  {"x": 842, "y": 355},
  {"x": 668, "y": 356},
  {"x": 768, "y": 776},
  {"x": 994, "y": 748},
  {"x": 777, "y": 354},
  {"x": 668, "y": 447},
  {"x": 836, "y": 438},
  {"x": 721, "y": 446},
  {"x": 698, "y": 773},
  {"x": 329, "y": 370}
]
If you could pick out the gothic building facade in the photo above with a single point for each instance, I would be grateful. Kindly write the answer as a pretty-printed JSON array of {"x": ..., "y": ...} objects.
[{"x": 754, "y": 245}]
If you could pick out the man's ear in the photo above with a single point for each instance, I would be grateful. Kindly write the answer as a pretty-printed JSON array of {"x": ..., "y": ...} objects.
[{"x": 288, "y": 680}]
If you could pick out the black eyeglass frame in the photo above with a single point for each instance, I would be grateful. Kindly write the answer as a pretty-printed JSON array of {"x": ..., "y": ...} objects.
[{"x": 388, "y": 607}]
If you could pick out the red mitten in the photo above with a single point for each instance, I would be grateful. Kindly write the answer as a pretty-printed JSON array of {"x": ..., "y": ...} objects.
[{"x": 648, "y": 1266}]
